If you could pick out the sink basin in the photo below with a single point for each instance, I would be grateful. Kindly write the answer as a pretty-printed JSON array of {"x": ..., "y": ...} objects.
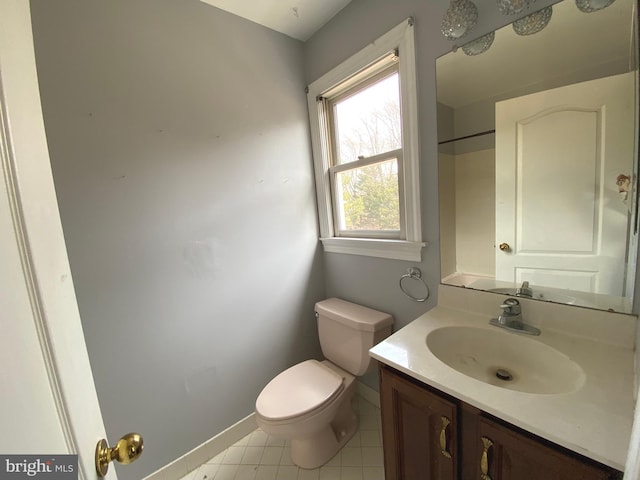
[{"x": 506, "y": 360}]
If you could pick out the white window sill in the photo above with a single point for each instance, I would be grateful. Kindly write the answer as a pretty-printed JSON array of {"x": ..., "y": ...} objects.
[{"x": 394, "y": 249}]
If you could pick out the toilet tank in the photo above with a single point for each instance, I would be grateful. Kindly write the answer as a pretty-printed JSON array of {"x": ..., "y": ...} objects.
[{"x": 347, "y": 331}]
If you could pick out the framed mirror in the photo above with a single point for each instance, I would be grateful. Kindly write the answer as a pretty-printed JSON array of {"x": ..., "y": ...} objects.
[{"x": 538, "y": 160}]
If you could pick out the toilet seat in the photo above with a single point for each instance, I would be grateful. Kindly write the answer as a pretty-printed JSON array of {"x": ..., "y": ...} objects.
[{"x": 298, "y": 391}]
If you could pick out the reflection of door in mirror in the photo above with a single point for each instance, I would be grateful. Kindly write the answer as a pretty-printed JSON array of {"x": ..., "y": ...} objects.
[{"x": 558, "y": 157}]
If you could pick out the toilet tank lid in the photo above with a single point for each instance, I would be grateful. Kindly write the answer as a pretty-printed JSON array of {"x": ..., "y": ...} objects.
[{"x": 354, "y": 315}]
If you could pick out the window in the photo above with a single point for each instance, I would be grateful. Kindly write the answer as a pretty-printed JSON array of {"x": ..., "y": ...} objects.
[
  {"x": 363, "y": 118},
  {"x": 365, "y": 131}
]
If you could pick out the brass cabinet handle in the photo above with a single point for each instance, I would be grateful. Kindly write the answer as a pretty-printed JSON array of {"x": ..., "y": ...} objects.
[
  {"x": 484, "y": 461},
  {"x": 443, "y": 437},
  {"x": 126, "y": 451},
  {"x": 505, "y": 247}
]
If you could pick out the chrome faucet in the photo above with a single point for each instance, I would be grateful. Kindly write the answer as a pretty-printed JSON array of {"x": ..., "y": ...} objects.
[
  {"x": 524, "y": 290},
  {"x": 511, "y": 318}
]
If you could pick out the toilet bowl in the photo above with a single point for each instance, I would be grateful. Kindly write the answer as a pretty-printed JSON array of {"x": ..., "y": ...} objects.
[
  {"x": 310, "y": 403},
  {"x": 315, "y": 415}
]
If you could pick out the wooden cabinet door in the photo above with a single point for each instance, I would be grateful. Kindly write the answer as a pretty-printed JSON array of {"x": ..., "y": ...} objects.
[
  {"x": 505, "y": 454},
  {"x": 419, "y": 430}
]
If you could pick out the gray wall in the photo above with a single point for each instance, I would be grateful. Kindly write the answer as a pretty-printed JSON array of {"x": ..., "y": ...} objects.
[
  {"x": 372, "y": 281},
  {"x": 180, "y": 149}
]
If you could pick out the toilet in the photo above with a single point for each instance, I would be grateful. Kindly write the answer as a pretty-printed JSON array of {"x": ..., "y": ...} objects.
[{"x": 310, "y": 404}]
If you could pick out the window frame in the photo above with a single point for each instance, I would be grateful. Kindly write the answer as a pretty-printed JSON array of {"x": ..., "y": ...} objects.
[
  {"x": 381, "y": 69},
  {"x": 409, "y": 247}
]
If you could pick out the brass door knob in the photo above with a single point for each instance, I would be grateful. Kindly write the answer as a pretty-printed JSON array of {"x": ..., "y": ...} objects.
[
  {"x": 505, "y": 247},
  {"x": 126, "y": 451}
]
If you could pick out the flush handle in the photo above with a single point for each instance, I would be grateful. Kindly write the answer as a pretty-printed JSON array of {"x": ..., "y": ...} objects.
[
  {"x": 484, "y": 460},
  {"x": 443, "y": 437},
  {"x": 128, "y": 449}
]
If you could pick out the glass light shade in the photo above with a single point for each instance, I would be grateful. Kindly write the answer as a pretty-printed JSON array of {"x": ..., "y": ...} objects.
[
  {"x": 533, "y": 23},
  {"x": 588, "y": 6},
  {"x": 479, "y": 45},
  {"x": 459, "y": 19}
]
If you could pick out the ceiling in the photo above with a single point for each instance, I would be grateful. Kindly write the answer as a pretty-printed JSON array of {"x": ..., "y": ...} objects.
[{"x": 299, "y": 19}]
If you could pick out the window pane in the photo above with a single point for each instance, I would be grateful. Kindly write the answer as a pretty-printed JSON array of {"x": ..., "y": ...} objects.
[
  {"x": 368, "y": 123},
  {"x": 367, "y": 197}
]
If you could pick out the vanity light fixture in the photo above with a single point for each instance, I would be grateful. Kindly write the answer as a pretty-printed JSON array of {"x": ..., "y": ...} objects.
[
  {"x": 588, "y": 6},
  {"x": 462, "y": 16},
  {"x": 459, "y": 19}
]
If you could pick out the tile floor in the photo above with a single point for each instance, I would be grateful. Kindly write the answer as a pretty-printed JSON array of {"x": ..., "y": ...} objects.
[{"x": 259, "y": 456}]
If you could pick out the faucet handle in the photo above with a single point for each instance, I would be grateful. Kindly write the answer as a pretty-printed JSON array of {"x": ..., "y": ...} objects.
[{"x": 511, "y": 306}]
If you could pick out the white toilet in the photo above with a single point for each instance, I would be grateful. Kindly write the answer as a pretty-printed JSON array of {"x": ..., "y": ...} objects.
[{"x": 310, "y": 403}]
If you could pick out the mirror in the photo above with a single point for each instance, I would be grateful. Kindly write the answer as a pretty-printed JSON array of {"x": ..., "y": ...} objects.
[{"x": 538, "y": 160}]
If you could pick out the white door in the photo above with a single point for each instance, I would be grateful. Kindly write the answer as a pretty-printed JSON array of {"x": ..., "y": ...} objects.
[
  {"x": 48, "y": 402},
  {"x": 558, "y": 157}
]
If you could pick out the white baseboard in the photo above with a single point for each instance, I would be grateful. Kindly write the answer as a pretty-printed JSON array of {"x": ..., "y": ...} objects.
[
  {"x": 209, "y": 449},
  {"x": 212, "y": 447}
]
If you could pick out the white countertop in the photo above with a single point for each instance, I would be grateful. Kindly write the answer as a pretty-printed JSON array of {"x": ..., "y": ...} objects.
[{"x": 594, "y": 421}]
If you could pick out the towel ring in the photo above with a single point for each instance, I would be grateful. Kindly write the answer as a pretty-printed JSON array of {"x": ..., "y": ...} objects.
[{"x": 414, "y": 273}]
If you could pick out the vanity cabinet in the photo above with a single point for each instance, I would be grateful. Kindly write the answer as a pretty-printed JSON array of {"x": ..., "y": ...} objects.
[{"x": 428, "y": 435}]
